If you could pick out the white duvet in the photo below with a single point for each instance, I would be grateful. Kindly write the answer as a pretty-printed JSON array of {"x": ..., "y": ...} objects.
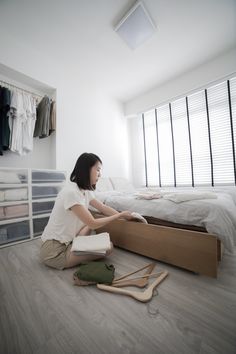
[{"x": 217, "y": 215}]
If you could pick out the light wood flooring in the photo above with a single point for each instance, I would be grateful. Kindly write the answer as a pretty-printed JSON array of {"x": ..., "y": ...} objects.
[{"x": 42, "y": 312}]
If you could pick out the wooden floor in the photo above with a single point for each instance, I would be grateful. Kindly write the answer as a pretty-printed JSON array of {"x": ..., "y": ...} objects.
[{"x": 41, "y": 311}]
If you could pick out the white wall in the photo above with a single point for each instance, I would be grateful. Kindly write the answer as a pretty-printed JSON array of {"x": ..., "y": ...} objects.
[
  {"x": 137, "y": 165},
  {"x": 42, "y": 156},
  {"x": 95, "y": 123},
  {"x": 87, "y": 118},
  {"x": 201, "y": 76}
]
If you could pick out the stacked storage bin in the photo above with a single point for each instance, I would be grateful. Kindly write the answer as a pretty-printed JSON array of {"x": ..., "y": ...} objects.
[
  {"x": 14, "y": 205},
  {"x": 26, "y": 200},
  {"x": 45, "y": 187}
]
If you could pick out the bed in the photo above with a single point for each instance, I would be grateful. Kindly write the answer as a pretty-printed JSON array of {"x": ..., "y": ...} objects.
[{"x": 190, "y": 234}]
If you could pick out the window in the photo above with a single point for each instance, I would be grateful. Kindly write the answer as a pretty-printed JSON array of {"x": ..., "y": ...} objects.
[
  {"x": 191, "y": 141},
  {"x": 181, "y": 142},
  {"x": 165, "y": 146},
  {"x": 221, "y": 134},
  {"x": 232, "y": 99},
  {"x": 200, "y": 142}
]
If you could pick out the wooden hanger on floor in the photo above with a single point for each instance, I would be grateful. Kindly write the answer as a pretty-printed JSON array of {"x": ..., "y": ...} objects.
[
  {"x": 140, "y": 281},
  {"x": 143, "y": 296}
]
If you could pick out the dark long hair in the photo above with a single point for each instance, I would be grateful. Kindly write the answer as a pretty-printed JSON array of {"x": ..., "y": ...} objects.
[{"x": 81, "y": 172}]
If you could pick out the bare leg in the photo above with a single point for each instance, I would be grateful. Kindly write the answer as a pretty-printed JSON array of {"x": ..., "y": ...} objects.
[{"x": 73, "y": 259}]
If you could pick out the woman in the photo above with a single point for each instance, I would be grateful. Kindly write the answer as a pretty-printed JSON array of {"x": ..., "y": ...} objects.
[{"x": 70, "y": 216}]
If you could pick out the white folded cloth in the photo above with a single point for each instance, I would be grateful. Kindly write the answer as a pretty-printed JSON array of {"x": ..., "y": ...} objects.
[
  {"x": 148, "y": 195},
  {"x": 139, "y": 217},
  {"x": 180, "y": 197},
  {"x": 16, "y": 194},
  {"x": 9, "y": 177},
  {"x": 93, "y": 243}
]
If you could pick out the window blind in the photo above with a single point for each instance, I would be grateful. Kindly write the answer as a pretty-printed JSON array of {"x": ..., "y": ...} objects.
[
  {"x": 165, "y": 146},
  {"x": 181, "y": 142},
  {"x": 192, "y": 140},
  {"x": 232, "y": 104},
  {"x": 221, "y": 138},
  {"x": 199, "y": 139}
]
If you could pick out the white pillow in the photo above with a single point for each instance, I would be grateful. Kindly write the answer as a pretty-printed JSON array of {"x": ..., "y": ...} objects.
[
  {"x": 102, "y": 196},
  {"x": 104, "y": 185},
  {"x": 122, "y": 184}
]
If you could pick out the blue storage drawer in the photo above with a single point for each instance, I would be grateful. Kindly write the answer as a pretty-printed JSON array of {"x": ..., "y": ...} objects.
[
  {"x": 14, "y": 232},
  {"x": 42, "y": 207},
  {"x": 39, "y": 225},
  {"x": 45, "y": 191},
  {"x": 48, "y": 176}
]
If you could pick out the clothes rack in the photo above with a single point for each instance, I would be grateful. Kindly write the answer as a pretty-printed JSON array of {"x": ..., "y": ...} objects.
[
  {"x": 37, "y": 96},
  {"x": 36, "y": 113}
]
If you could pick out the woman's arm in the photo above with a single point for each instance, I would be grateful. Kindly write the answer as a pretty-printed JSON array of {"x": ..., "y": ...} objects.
[
  {"x": 104, "y": 209},
  {"x": 87, "y": 218}
]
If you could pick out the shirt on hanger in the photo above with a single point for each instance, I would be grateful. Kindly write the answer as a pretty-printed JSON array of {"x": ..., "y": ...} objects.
[
  {"x": 43, "y": 118},
  {"x": 5, "y": 97}
]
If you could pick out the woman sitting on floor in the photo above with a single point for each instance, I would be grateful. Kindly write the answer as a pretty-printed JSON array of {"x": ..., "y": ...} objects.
[{"x": 71, "y": 217}]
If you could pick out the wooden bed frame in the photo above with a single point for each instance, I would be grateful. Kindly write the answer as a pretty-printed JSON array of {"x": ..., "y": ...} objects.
[{"x": 196, "y": 251}]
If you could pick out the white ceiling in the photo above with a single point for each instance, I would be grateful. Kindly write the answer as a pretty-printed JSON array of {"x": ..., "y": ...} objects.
[{"x": 79, "y": 34}]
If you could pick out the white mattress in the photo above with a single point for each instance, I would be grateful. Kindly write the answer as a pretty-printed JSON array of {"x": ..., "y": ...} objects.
[{"x": 217, "y": 216}]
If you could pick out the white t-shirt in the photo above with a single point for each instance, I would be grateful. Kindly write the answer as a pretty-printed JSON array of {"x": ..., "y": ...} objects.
[
  {"x": 22, "y": 119},
  {"x": 63, "y": 224}
]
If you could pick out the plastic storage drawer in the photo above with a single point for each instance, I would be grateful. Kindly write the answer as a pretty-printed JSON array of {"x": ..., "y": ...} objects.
[
  {"x": 48, "y": 176},
  {"x": 14, "y": 232},
  {"x": 14, "y": 211},
  {"x": 45, "y": 191},
  {"x": 42, "y": 207},
  {"x": 39, "y": 225},
  {"x": 13, "y": 194},
  {"x": 13, "y": 176}
]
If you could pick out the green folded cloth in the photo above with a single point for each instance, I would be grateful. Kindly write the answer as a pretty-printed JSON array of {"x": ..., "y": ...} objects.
[{"x": 95, "y": 272}]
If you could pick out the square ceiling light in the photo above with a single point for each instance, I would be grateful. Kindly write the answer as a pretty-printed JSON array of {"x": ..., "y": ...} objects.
[{"x": 136, "y": 26}]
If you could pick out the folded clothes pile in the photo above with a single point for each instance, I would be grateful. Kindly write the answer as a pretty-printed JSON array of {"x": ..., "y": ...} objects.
[
  {"x": 148, "y": 194},
  {"x": 13, "y": 194},
  {"x": 94, "y": 272},
  {"x": 14, "y": 211},
  {"x": 176, "y": 197},
  {"x": 93, "y": 244}
]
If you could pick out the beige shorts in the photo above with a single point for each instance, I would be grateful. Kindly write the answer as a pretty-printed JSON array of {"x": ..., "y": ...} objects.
[{"x": 54, "y": 253}]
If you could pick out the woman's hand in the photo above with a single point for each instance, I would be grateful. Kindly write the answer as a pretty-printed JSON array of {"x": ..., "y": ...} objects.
[{"x": 127, "y": 215}]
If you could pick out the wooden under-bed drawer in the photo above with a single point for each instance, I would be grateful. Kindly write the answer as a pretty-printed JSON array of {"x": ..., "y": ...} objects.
[{"x": 193, "y": 250}]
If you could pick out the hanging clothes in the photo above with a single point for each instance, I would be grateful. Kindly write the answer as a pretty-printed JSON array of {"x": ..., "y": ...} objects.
[
  {"x": 28, "y": 129},
  {"x": 21, "y": 119},
  {"x": 43, "y": 118},
  {"x": 5, "y": 98},
  {"x": 22, "y": 122},
  {"x": 52, "y": 124}
]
